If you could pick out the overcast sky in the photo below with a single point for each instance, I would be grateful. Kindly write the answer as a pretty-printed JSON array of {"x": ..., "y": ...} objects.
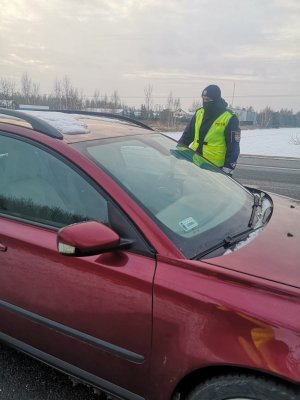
[{"x": 179, "y": 46}]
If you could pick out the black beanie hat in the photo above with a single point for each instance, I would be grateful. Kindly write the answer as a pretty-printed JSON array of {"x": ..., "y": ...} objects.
[{"x": 212, "y": 91}]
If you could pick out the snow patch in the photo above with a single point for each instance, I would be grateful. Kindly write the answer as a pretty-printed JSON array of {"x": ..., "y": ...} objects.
[
  {"x": 70, "y": 124},
  {"x": 65, "y": 123},
  {"x": 243, "y": 243},
  {"x": 266, "y": 203}
]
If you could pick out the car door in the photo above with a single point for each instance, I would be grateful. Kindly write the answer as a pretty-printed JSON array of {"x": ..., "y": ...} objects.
[{"x": 91, "y": 316}]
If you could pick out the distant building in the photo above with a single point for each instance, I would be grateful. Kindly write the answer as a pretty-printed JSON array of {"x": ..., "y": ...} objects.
[
  {"x": 246, "y": 117},
  {"x": 137, "y": 114},
  {"x": 181, "y": 113},
  {"x": 32, "y": 107},
  {"x": 8, "y": 104},
  {"x": 118, "y": 111}
]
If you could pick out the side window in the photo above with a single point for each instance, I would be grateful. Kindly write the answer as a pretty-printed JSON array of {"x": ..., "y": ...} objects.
[{"x": 37, "y": 186}]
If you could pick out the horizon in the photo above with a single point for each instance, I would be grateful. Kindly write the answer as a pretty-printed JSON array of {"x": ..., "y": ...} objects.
[{"x": 139, "y": 101}]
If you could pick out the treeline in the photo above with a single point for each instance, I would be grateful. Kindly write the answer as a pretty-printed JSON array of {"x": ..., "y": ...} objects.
[
  {"x": 269, "y": 118},
  {"x": 65, "y": 96}
]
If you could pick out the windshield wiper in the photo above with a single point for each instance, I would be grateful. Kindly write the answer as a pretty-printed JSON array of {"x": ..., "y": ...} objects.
[
  {"x": 229, "y": 241},
  {"x": 226, "y": 243},
  {"x": 256, "y": 203}
]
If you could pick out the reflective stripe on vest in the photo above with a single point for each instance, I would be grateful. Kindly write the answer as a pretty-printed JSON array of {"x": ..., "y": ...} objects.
[{"x": 214, "y": 146}]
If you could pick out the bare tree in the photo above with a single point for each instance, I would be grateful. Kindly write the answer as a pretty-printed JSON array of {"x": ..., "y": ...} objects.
[
  {"x": 58, "y": 94},
  {"x": 170, "y": 101},
  {"x": 26, "y": 87},
  {"x": 115, "y": 100},
  {"x": 148, "y": 98},
  {"x": 170, "y": 105},
  {"x": 265, "y": 117},
  {"x": 7, "y": 90},
  {"x": 75, "y": 102},
  {"x": 176, "y": 107},
  {"x": 96, "y": 98},
  {"x": 105, "y": 100},
  {"x": 66, "y": 89},
  {"x": 81, "y": 99},
  {"x": 177, "y": 103},
  {"x": 196, "y": 104},
  {"x": 35, "y": 92},
  {"x": 158, "y": 108}
]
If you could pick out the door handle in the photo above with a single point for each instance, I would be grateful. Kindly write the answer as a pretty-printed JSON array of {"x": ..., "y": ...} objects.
[{"x": 2, "y": 247}]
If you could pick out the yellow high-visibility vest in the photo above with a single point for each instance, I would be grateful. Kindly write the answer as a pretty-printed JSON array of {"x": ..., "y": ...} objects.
[{"x": 214, "y": 146}]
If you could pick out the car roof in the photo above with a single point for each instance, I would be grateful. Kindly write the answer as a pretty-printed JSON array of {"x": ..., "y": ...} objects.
[
  {"x": 76, "y": 126},
  {"x": 104, "y": 128}
]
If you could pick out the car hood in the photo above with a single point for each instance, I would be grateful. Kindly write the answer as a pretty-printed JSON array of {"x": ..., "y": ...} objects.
[{"x": 274, "y": 254}]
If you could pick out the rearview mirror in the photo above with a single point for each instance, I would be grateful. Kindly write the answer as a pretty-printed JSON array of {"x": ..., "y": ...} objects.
[{"x": 87, "y": 238}]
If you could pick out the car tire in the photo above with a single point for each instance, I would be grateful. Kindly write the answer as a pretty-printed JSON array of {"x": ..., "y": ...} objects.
[{"x": 242, "y": 387}]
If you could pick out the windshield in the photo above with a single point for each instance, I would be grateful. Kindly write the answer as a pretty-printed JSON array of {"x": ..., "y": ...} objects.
[{"x": 193, "y": 202}]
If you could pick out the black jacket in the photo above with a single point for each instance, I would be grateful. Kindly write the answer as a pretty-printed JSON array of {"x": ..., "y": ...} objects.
[{"x": 232, "y": 134}]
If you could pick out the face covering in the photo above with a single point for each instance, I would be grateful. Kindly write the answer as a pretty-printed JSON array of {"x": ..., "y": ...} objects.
[
  {"x": 215, "y": 107},
  {"x": 209, "y": 107}
]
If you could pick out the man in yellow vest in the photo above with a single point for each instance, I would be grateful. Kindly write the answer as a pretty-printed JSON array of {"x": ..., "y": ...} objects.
[{"x": 214, "y": 131}]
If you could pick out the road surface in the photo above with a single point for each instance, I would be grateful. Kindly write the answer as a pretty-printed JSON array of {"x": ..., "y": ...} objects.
[{"x": 273, "y": 174}]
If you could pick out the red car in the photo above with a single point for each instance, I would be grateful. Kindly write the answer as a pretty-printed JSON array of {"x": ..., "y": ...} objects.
[{"x": 140, "y": 268}]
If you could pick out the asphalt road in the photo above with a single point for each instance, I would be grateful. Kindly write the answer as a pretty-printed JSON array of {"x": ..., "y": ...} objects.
[
  {"x": 273, "y": 174},
  {"x": 22, "y": 378}
]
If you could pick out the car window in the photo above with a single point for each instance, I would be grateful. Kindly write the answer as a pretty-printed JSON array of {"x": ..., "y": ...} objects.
[{"x": 37, "y": 186}]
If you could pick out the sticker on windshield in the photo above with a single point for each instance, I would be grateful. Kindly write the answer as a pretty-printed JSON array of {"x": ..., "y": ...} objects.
[
  {"x": 3, "y": 155},
  {"x": 188, "y": 224}
]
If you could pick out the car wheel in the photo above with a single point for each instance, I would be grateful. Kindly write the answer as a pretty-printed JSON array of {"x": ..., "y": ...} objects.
[{"x": 242, "y": 387}]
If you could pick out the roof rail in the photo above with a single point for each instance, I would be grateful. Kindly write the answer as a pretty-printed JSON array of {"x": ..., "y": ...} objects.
[
  {"x": 104, "y": 114},
  {"x": 36, "y": 123}
]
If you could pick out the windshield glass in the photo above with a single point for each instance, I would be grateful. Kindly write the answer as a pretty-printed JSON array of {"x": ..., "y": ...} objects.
[{"x": 193, "y": 202}]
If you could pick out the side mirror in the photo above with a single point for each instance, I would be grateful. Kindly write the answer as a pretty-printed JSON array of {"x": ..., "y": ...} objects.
[{"x": 87, "y": 238}]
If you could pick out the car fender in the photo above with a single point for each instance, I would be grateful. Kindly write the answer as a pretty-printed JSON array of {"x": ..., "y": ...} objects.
[{"x": 204, "y": 318}]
